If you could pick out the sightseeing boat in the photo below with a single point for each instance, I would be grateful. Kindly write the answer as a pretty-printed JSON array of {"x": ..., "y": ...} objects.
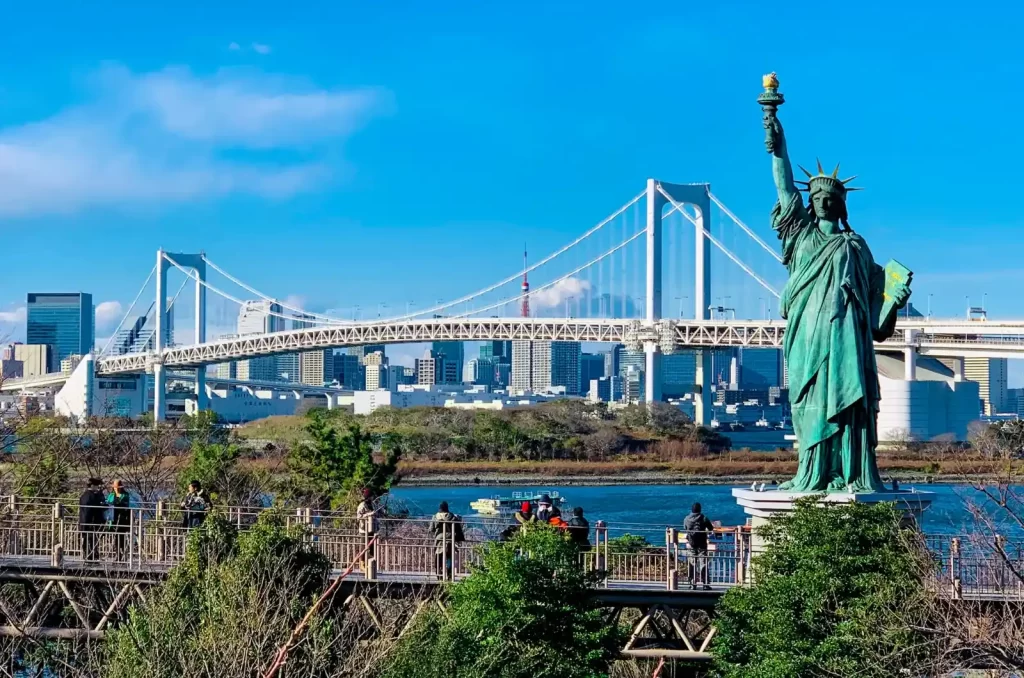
[{"x": 496, "y": 505}]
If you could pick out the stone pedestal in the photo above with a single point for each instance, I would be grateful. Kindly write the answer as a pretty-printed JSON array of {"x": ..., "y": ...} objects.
[{"x": 761, "y": 506}]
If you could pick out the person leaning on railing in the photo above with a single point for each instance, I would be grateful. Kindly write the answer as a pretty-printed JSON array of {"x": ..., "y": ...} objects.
[
  {"x": 697, "y": 527},
  {"x": 92, "y": 511},
  {"x": 444, "y": 536},
  {"x": 579, "y": 529}
]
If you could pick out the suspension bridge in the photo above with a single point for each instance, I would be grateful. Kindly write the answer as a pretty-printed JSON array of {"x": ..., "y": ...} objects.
[{"x": 612, "y": 281}]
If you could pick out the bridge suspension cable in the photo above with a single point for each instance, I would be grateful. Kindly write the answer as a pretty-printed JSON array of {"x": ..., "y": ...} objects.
[
  {"x": 565, "y": 277},
  {"x": 192, "y": 274},
  {"x": 307, "y": 315},
  {"x": 736, "y": 260},
  {"x": 527, "y": 270},
  {"x": 768, "y": 248},
  {"x": 142, "y": 289}
]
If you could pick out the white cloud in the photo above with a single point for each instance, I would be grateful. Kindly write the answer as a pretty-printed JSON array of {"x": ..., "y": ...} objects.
[
  {"x": 16, "y": 315},
  {"x": 161, "y": 137},
  {"x": 234, "y": 47},
  {"x": 260, "y": 48},
  {"x": 108, "y": 314},
  {"x": 554, "y": 297}
]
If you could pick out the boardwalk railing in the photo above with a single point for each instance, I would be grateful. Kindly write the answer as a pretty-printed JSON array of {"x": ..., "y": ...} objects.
[{"x": 153, "y": 537}]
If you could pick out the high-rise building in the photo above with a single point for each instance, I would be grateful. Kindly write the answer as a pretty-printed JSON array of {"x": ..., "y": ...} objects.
[
  {"x": 349, "y": 371},
  {"x": 565, "y": 366},
  {"x": 257, "y": 369},
  {"x": 991, "y": 375},
  {"x": 496, "y": 350},
  {"x": 633, "y": 385},
  {"x": 260, "y": 317},
  {"x": 316, "y": 368},
  {"x": 36, "y": 358},
  {"x": 226, "y": 370},
  {"x": 481, "y": 371},
  {"x": 678, "y": 373},
  {"x": 66, "y": 322},
  {"x": 375, "y": 365},
  {"x": 362, "y": 351},
  {"x": 606, "y": 389},
  {"x": 453, "y": 353},
  {"x": 531, "y": 366},
  {"x": 631, "y": 359},
  {"x": 611, "y": 360},
  {"x": 760, "y": 368},
  {"x": 429, "y": 368},
  {"x": 591, "y": 367}
]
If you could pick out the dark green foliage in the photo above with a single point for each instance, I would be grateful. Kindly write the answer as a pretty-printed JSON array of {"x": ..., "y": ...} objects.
[
  {"x": 333, "y": 465},
  {"x": 628, "y": 543},
  {"x": 566, "y": 429},
  {"x": 214, "y": 462},
  {"x": 526, "y": 613},
  {"x": 226, "y": 607},
  {"x": 838, "y": 592}
]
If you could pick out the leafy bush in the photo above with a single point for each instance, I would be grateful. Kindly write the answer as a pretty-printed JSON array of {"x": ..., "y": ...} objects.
[
  {"x": 526, "y": 613},
  {"x": 838, "y": 592},
  {"x": 628, "y": 543},
  {"x": 226, "y": 607}
]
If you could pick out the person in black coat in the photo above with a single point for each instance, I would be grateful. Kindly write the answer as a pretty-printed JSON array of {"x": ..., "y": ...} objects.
[
  {"x": 92, "y": 512},
  {"x": 121, "y": 519}
]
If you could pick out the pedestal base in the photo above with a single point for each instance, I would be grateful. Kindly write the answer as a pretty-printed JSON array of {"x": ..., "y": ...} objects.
[{"x": 761, "y": 506}]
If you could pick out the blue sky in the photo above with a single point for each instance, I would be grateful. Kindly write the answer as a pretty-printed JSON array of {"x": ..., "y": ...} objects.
[{"x": 359, "y": 153}]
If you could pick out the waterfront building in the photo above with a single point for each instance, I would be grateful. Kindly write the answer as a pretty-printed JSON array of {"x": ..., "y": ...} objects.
[
  {"x": 349, "y": 371},
  {"x": 63, "y": 321},
  {"x": 760, "y": 367},
  {"x": 453, "y": 354}
]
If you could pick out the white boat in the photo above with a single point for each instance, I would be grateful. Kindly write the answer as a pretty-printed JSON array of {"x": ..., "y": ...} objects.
[{"x": 496, "y": 505}]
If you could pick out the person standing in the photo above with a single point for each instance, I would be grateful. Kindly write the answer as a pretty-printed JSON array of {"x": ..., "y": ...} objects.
[
  {"x": 698, "y": 527},
  {"x": 92, "y": 510},
  {"x": 121, "y": 519},
  {"x": 579, "y": 529},
  {"x": 195, "y": 505},
  {"x": 544, "y": 508},
  {"x": 447, "y": 530},
  {"x": 366, "y": 514}
]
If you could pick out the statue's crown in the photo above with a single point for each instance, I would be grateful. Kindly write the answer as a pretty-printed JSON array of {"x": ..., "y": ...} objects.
[{"x": 830, "y": 183}]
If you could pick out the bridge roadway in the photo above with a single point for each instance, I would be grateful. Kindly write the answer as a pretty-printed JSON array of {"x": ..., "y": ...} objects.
[
  {"x": 940, "y": 338},
  {"x": 41, "y": 549}
]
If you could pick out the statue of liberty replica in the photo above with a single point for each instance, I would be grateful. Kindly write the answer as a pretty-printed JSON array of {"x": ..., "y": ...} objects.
[{"x": 836, "y": 303}]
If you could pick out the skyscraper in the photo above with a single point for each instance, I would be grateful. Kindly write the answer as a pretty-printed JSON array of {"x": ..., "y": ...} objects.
[
  {"x": 531, "y": 366},
  {"x": 760, "y": 368},
  {"x": 990, "y": 373},
  {"x": 316, "y": 368},
  {"x": 260, "y": 317},
  {"x": 453, "y": 353},
  {"x": 496, "y": 350},
  {"x": 63, "y": 321},
  {"x": 678, "y": 373},
  {"x": 363, "y": 351},
  {"x": 591, "y": 367},
  {"x": 565, "y": 366}
]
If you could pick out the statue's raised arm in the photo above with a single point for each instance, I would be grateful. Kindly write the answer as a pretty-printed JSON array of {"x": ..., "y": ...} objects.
[{"x": 775, "y": 139}]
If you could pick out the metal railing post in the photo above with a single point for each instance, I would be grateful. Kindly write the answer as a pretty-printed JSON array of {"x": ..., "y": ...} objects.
[
  {"x": 740, "y": 556},
  {"x": 671, "y": 548},
  {"x": 954, "y": 569},
  {"x": 601, "y": 552},
  {"x": 161, "y": 531},
  {"x": 55, "y": 522}
]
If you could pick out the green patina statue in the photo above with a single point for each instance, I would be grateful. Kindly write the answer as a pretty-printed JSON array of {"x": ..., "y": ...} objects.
[{"x": 836, "y": 303}]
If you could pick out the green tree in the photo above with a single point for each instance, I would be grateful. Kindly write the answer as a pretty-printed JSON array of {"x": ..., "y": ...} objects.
[
  {"x": 332, "y": 466},
  {"x": 526, "y": 613},
  {"x": 214, "y": 461},
  {"x": 838, "y": 592},
  {"x": 227, "y": 606}
]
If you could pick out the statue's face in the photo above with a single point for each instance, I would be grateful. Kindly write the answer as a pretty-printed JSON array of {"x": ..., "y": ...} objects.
[{"x": 827, "y": 206}]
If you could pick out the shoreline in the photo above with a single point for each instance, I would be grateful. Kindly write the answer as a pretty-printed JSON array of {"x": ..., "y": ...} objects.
[{"x": 638, "y": 478}]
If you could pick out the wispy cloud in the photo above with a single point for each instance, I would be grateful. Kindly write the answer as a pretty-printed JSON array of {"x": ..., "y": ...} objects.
[
  {"x": 555, "y": 296},
  {"x": 260, "y": 48},
  {"x": 235, "y": 47},
  {"x": 108, "y": 314},
  {"x": 164, "y": 136}
]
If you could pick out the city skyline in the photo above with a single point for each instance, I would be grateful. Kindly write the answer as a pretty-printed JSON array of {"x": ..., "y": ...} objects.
[{"x": 412, "y": 127}]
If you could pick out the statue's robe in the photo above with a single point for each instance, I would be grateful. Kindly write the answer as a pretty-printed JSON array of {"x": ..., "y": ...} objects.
[{"x": 830, "y": 304}]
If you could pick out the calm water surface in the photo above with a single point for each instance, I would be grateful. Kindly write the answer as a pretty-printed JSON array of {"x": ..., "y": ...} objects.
[{"x": 664, "y": 505}]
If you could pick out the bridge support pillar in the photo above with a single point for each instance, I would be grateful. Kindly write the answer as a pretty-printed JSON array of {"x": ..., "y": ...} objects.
[
  {"x": 702, "y": 389},
  {"x": 652, "y": 373},
  {"x": 159, "y": 393},
  {"x": 958, "y": 369},
  {"x": 200, "y": 315},
  {"x": 910, "y": 356}
]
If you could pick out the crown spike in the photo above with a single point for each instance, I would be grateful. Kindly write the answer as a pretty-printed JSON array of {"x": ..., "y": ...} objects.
[
  {"x": 846, "y": 181},
  {"x": 821, "y": 172},
  {"x": 854, "y": 188},
  {"x": 835, "y": 172},
  {"x": 802, "y": 169}
]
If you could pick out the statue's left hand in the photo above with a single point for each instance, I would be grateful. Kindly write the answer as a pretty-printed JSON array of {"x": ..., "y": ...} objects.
[{"x": 901, "y": 296}]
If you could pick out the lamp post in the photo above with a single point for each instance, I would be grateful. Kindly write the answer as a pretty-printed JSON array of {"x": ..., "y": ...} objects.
[{"x": 929, "y": 306}]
